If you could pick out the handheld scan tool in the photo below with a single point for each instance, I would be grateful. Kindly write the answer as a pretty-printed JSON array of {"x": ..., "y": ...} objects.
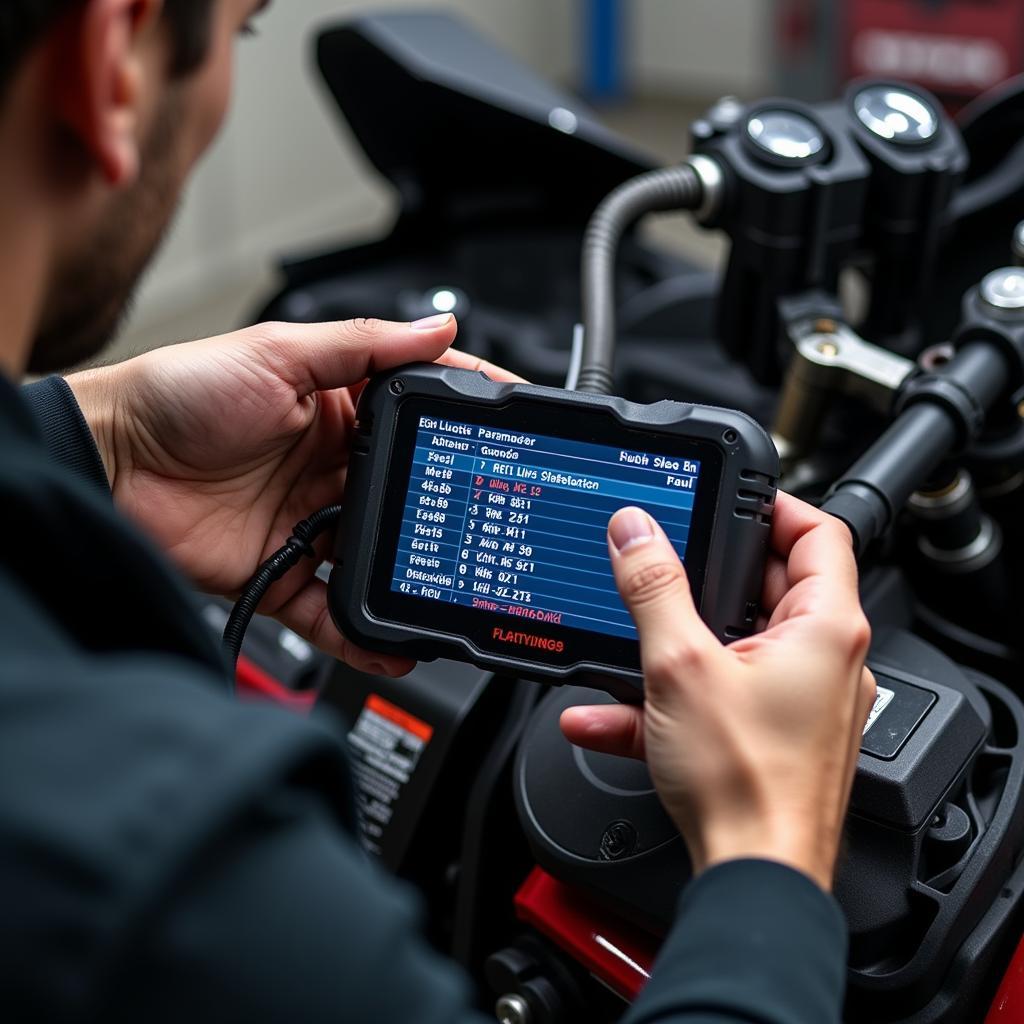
[{"x": 475, "y": 518}]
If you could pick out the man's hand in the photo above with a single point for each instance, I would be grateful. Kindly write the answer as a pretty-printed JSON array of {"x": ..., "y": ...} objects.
[
  {"x": 217, "y": 448},
  {"x": 753, "y": 746}
]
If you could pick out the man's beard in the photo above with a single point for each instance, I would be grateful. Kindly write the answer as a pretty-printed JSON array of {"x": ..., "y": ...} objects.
[{"x": 92, "y": 290}]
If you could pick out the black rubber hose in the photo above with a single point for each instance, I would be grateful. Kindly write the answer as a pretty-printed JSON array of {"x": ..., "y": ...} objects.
[
  {"x": 298, "y": 546},
  {"x": 675, "y": 188}
]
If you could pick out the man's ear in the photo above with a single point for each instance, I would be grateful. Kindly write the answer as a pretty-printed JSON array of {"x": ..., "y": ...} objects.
[{"x": 105, "y": 53}]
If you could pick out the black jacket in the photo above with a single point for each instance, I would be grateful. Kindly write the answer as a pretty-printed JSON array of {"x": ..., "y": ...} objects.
[{"x": 167, "y": 853}]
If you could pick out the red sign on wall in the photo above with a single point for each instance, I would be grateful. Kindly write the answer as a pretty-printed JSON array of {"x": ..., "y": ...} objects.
[{"x": 957, "y": 48}]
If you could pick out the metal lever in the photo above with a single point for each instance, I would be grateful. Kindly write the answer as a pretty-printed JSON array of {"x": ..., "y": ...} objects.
[{"x": 830, "y": 358}]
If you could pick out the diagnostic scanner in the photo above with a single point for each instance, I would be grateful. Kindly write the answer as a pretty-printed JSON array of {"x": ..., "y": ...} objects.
[{"x": 475, "y": 518}]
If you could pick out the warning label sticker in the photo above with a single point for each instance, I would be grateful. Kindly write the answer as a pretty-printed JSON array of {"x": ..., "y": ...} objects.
[
  {"x": 386, "y": 744},
  {"x": 882, "y": 699}
]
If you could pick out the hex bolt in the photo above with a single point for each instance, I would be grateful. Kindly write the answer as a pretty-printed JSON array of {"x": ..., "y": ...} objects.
[
  {"x": 725, "y": 112},
  {"x": 512, "y": 1009},
  {"x": 1003, "y": 290}
]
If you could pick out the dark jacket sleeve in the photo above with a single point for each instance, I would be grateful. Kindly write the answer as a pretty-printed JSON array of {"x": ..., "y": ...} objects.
[
  {"x": 754, "y": 941},
  {"x": 288, "y": 921},
  {"x": 68, "y": 439}
]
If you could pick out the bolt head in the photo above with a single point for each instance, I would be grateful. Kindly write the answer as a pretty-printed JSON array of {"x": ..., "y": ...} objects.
[
  {"x": 563, "y": 120},
  {"x": 935, "y": 356},
  {"x": 512, "y": 1009},
  {"x": 619, "y": 840},
  {"x": 725, "y": 112},
  {"x": 1003, "y": 289}
]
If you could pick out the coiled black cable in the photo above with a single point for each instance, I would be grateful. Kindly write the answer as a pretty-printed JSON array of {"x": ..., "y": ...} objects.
[
  {"x": 674, "y": 188},
  {"x": 298, "y": 546}
]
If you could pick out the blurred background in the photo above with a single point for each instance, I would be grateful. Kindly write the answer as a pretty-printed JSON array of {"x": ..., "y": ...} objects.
[{"x": 286, "y": 177}]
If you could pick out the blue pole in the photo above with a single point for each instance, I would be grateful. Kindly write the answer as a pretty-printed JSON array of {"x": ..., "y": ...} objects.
[{"x": 604, "y": 77}]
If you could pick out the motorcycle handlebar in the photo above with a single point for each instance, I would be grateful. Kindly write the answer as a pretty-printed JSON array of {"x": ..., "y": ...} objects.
[{"x": 941, "y": 412}]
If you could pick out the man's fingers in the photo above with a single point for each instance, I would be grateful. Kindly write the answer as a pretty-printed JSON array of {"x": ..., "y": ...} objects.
[
  {"x": 607, "y": 728},
  {"x": 654, "y": 588},
  {"x": 812, "y": 554},
  {"x": 776, "y": 583},
  {"x": 791, "y": 520},
  {"x": 811, "y": 541},
  {"x": 818, "y": 591},
  {"x": 306, "y": 614},
  {"x": 321, "y": 357},
  {"x": 463, "y": 360}
]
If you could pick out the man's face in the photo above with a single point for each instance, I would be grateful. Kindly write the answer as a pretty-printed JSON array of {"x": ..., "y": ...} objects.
[{"x": 92, "y": 286}]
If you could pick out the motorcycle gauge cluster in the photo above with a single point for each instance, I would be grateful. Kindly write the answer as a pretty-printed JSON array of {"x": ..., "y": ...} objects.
[{"x": 809, "y": 190}]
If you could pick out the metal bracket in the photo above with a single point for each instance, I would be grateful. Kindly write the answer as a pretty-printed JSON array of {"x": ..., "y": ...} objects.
[{"x": 830, "y": 358}]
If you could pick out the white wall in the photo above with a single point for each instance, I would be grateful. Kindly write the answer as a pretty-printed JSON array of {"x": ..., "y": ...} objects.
[{"x": 701, "y": 47}]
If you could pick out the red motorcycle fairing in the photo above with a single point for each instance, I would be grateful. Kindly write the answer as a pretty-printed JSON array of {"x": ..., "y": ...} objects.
[
  {"x": 252, "y": 682},
  {"x": 1008, "y": 1005},
  {"x": 616, "y": 952}
]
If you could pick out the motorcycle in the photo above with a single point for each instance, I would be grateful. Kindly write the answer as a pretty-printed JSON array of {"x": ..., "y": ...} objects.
[{"x": 867, "y": 318}]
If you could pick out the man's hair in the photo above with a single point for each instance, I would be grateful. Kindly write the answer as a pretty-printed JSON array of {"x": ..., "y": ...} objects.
[{"x": 23, "y": 23}]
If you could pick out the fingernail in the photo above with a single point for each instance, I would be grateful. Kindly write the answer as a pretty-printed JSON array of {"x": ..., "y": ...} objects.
[
  {"x": 432, "y": 323},
  {"x": 630, "y": 526},
  {"x": 376, "y": 668}
]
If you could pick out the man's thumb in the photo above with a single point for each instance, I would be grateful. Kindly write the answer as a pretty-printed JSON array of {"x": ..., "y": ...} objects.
[
  {"x": 654, "y": 587},
  {"x": 320, "y": 357}
]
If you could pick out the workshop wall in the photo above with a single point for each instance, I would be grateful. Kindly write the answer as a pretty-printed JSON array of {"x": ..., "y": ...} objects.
[{"x": 701, "y": 47}]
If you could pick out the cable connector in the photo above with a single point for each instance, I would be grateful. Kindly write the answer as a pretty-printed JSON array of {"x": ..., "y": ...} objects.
[{"x": 298, "y": 546}]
